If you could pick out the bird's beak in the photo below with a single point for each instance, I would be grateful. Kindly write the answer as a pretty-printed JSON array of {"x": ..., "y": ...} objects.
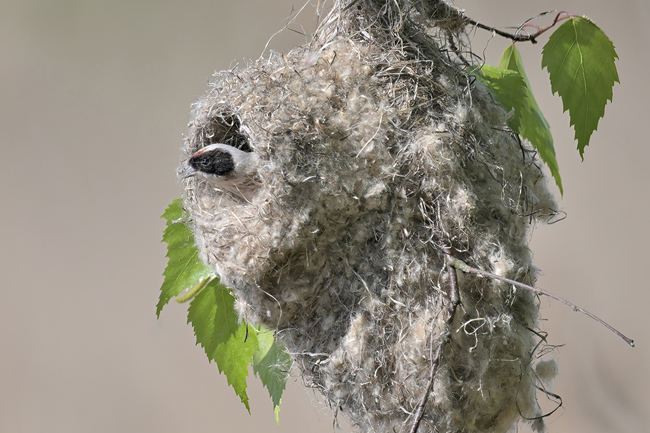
[{"x": 188, "y": 172}]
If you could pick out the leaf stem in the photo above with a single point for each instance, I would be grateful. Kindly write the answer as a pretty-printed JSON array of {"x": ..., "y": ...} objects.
[{"x": 198, "y": 286}]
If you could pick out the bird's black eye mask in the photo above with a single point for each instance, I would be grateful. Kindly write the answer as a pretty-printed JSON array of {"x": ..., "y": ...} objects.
[{"x": 215, "y": 161}]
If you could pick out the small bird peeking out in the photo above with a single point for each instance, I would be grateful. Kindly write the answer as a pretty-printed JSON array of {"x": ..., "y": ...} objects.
[{"x": 225, "y": 167}]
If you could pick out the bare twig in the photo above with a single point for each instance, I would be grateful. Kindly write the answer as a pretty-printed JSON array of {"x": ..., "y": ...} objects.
[
  {"x": 454, "y": 300},
  {"x": 420, "y": 409},
  {"x": 517, "y": 37},
  {"x": 460, "y": 265},
  {"x": 454, "y": 293}
]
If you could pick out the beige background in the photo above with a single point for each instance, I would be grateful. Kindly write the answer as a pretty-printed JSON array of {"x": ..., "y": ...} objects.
[{"x": 94, "y": 99}]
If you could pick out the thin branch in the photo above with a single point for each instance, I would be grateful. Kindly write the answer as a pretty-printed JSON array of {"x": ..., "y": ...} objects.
[
  {"x": 517, "y": 37},
  {"x": 454, "y": 291},
  {"x": 420, "y": 409},
  {"x": 454, "y": 300},
  {"x": 460, "y": 265}
]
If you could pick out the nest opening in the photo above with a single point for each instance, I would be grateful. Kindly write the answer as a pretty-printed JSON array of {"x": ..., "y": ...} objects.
[{"x": 225, "y": 128}]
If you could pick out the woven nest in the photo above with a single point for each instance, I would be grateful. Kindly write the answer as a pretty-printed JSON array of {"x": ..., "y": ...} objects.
[{"x": 356, "y": 160}]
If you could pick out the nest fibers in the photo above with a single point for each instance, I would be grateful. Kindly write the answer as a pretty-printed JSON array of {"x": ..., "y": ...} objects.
[{"x": 354, "y": 160}]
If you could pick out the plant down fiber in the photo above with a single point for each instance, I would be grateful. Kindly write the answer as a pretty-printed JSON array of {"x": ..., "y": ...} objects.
[{"x": 374, "y": 149}]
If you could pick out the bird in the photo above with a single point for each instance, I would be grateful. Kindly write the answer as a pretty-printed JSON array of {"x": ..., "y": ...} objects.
[{"x": 225, "y": 167}]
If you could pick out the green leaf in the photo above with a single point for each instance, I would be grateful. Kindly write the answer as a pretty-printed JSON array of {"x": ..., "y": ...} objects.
[
  {"x": 225, "y": 340},
  {"x": 509, "y": 89},
  {"x": 184, "y": 268},
  {"x": 580, "y": 60},
  {"x": 231, "y": 344},
  {"x": 533, "y": 126},
  {"x": 271, "y": 365}
]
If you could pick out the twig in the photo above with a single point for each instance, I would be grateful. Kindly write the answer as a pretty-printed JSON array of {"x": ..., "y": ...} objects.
[
  {"x": 516, "y": 37},
  {"x": 460, "y": 265},
  {"x": 420, "y": 409},
  {"x": 454, "y": 293},
  {"x": 454, "y": 300}
]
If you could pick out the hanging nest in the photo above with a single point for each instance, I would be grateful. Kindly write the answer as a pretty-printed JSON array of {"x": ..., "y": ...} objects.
[{"x": 349, "y": 166}]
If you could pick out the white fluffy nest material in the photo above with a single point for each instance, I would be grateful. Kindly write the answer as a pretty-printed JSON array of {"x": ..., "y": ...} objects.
[{"x": 373, "y": 149}]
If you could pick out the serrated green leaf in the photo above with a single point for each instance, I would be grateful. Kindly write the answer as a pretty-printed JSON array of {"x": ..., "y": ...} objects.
[
  {"x": 533, "y": 126},
  {"x": 271, "y": 365},
  {"x": 580, "y": 60},
  {"x": 233, "y": 359},
  {"x": 224, "y": 339},
  {"x": 184, "y": 268},
  {"x": 231, "y": 344},
  {"x": 213, "y": 317}
]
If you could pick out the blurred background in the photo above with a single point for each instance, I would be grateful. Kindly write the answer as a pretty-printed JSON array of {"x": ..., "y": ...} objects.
[{"x": 94, "y": 102}]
